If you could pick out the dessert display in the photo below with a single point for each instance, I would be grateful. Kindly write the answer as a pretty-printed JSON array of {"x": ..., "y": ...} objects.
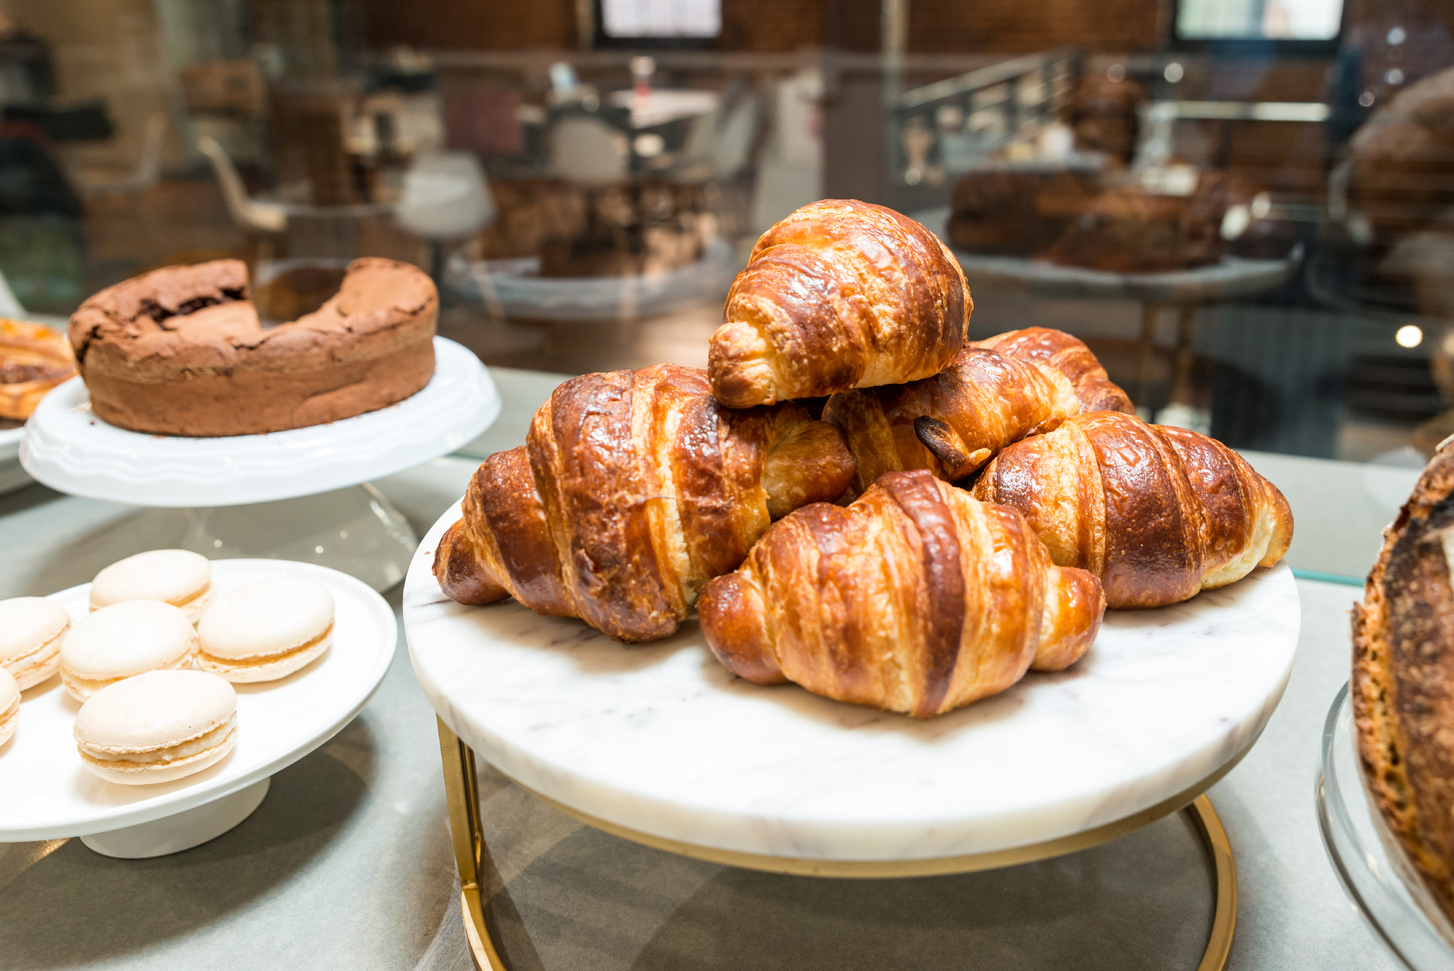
[
  {"x": 33, "y": 359},
  {"x": 1158, "y": 513},
  {"x": 157, "y": 727},
  {"x": 638, "y": 490},
  {"x": 916, "y": 598},
  {"x": 9, "y": 706},
  {"x": 1403, "y": 680},
  {"x": 178, "y": 577},
  {"x": 1104, "y": 114},
  {"x": 633, "y": 228},
  {"x": 122, "y": 641},
  {"x": 633, "y": 489},
  {"x": 31, "y": 630},
  {"x": 180, "y": 351},
  {"x": 265, "y": 630},
  {"x": 995, "y": 392},
  {"x": 839, "y": 295}
]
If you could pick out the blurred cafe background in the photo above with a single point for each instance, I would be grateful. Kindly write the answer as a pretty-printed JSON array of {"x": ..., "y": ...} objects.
[{"x": 1246, "y": 207}]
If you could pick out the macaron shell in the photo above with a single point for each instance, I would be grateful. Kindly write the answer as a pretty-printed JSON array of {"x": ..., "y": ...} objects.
[
  {"x": 9, "y": 706},
  {"x": 154, "y": 710},
  {"x": 265, "y": 618},
  {"x": 40, "y": 666},
  {"x": 27, "y": 624},
  {"x": 83, "y": 690},
  {"x": 173, "y": 576},
  {"x": 248, "y": 672},
  {"x": 143, "y": 774},
  {"x": 127, "y": 639}
]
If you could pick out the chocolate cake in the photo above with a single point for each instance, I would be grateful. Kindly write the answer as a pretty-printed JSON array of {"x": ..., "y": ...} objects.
[
  {"x": 1018, "y": 210},
  {"x": 1403, "y": 679},
  {"x": 180, "y": 351}
]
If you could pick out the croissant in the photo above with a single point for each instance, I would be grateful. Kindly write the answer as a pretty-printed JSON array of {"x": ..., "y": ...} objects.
[
  {"x": 841, "y": 294},
  {"x": 953, "y": 423},
  {"x": 633, "y": 489},
  {"x": 33, "y": 360},
  {"x": 1069, "y": 356},
  {"x": 916, "y": 598},
  {"x": 1158, "y": 513}
]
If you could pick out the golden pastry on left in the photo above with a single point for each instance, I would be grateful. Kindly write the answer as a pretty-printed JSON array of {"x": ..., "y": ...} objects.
[{"x": 33, "y": 359}]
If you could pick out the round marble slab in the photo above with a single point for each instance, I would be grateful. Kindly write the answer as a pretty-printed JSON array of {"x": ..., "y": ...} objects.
[{"x": 660, "y": 739}]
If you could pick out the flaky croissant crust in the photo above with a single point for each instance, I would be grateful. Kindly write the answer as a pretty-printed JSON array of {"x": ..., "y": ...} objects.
[
  {"x": 1158, "y": 513},
  {"x": 916, "y": 598},
  {"x": 632, "y": 490},
  {"x": 1068, "y": 355},
  {"x": 841, "y": 294}
]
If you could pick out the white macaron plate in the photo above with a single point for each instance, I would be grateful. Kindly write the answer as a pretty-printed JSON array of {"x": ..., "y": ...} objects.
[
  {"x": 68, "y": 448},
  {"x": 49, "y": 794}
]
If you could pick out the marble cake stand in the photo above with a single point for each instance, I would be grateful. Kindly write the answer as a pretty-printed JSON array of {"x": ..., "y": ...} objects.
[
  {"x": 659, "y": 744},
  {"x": 299, "y": 494},
  {"x": 49, "y": 794}
]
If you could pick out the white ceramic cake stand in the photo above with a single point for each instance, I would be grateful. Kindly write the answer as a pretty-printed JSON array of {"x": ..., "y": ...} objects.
[
  {"x": 659, "y": 743},
  {"x": 49, "y": 794},
  {"x": 293, "y": 494}
]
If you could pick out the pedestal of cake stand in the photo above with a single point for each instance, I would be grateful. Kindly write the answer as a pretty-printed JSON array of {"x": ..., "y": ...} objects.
[
  {"x": 354, "y": 530},
  {"x": 480, "y": 882},
  {"x": 182, "y": 831}
]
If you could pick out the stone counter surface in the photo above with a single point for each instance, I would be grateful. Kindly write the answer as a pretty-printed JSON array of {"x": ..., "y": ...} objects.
[{"x": 347, "y": 863}]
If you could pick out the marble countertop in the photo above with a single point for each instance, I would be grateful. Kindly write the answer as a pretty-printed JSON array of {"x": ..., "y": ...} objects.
[{"x": 347, "y": 863}]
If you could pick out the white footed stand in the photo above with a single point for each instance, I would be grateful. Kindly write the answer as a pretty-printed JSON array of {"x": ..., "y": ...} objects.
[
  {"x": 182, "y": 831},
  {"x": 278, "y": 723},
  {"x": 297, "y": 495}
]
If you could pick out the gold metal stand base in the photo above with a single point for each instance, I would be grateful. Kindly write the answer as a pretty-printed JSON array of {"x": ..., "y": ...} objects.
[{"x": 478, "y": 877}]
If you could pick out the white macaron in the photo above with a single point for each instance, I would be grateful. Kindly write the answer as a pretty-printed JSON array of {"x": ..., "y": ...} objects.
[
  {"x": 157, "y": 726},
  {"x": 31, "y": 629},
  {"x": 265, "y": 630},
  {"x": 9, "y": 706},
  {"x": 178, "y": 577},
  {"x": 122, "y": 641}
]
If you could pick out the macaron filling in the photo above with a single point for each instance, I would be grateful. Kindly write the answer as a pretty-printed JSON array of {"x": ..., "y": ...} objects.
[
  {"x": 81, "y": 688},
  {"x": 26, "y": 666},
  {"x": 255, "y": 660},
  {"x": 192, "y": 603},
  {"x": 8, "y": 720},
  {"x": 190, "y": 748}
]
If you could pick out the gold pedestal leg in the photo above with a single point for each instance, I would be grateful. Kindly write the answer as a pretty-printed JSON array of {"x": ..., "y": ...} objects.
[
  {"x": 1181, "y": 377},
  {"x": 479, "y": 879},
  {"x": 1148, "y": 357}
]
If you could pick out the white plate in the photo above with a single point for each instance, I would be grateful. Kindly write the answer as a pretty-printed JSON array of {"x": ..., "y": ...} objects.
[
  {"x": 70, "y": 449},
  {"x": 661, "y": 739},
  {"x": 48, "y": 794}
]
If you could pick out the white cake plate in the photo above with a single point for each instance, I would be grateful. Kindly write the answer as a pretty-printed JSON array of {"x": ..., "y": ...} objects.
[
  {"x": 12, "y": 476},
  {"x": 659, "y": 742},
  {"x": 49, "y": 794},
  {"x": 247, "y": 490}
]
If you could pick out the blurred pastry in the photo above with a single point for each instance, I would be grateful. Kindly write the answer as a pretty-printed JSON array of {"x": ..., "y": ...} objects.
[
  {"x": 916, "y": 598},
  {"x": 1104, "y": 112},
  {"x": 33, "y": 359},
  {"x": 1158, "y": 513},
  {"x": 157, "y": 727},
  {"x": 1018, "y": 209},
  {"x": 839, "y": 295},
  {"x": 180, "y": 351},
  {"x": 122, "y": 641},
  {"x": 1403, "y": 679},
  {"x": 265, "y": 630},
  {"x": 31, "y": 630},
  {"x": 9, "y": 706},
  {"x": 178, "y": 577}
]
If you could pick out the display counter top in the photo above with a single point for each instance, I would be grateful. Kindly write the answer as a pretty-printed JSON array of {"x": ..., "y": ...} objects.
[{"x": 348, "y": 861}]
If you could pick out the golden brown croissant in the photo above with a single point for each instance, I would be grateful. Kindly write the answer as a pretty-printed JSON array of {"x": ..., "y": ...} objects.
[
  {"x": 1158, "y": 513},
  {"x": 633, "y": 489},
  {"x": 954, "y": 422},
  {"x": 840, "y": 294},
  {"x": 33, "y": 360},
  {"x": 916, "y": 598},
  {"x": 1070, "y": 357}
]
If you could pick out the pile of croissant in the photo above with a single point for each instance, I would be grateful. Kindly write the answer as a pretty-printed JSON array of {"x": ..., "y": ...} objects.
[{"x": 959, "y": 513}]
